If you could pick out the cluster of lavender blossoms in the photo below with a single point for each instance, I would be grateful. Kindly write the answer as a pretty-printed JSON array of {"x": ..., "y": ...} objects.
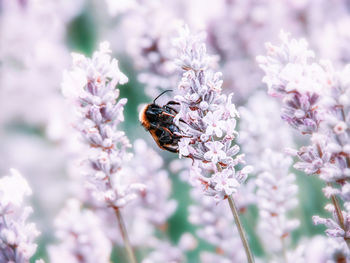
[
  {"x": 216, "y": 227},
  {"x": 315, "y": 101},
  {"x": 207, "y": 120},
  {"x": 276, "y": 188},
  {"x": 91, "y": 84},
  {"x": 276, "y": 195},
  {"x": 81, "y": 237},
  {"x": 16, "y": 234},
  {"x": 235, "y": 31},
  {"x": 147, "y": 215}
]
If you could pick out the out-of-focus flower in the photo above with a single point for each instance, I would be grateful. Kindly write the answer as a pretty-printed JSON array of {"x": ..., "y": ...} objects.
[
  {"x": 275, "y": 187},
  {"x": 150, "y": 212},
  {"x": 121, "y": 6},
  {"x": 16, "y": 234},
  {"x": 276, "y": 197},
  {"x": 336, "y": 227},
  {"x": 315, "y": 103},
  {"x": 155, "y": 204},
  {"x": 317, "y": 249},
  {"x": 207, "y": 120},
  {"x": 34, "y": 116},
  {"x": 91, "y": 85},
  {"x": 335, "y": 37},
  {"x": 258, "y": 119},
  {"x": 165, "y": 252},
  {"x": 290, "y": 74},
  {"x": 27, "y": 67},
  {"x": 216, "y": 227},
  {"x": 149, "y": 28},
  {"x": 80, "y": 235}
]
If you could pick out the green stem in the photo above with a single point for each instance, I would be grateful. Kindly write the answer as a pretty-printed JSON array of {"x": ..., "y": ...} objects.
[
  {"x": 284, "y": 252},
  {"x": 240, "y": 229},
  {"x": 339, "y": 214},
  {"x": 124, "y": 233}
]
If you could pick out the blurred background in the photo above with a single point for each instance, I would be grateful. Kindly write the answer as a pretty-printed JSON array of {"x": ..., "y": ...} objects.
[{"x": 37, "y": 37}]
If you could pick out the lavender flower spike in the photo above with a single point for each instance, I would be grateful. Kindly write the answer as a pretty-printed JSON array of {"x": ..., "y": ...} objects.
[
  {"x": 91, "y": 84},
  {"x": 16, "y": 234},
  {"x": 81, "y": 236},
  {"x": 207, "y": 120},
  {"x": 315, "y": 101},
  {"x": 291, "y": 75}
]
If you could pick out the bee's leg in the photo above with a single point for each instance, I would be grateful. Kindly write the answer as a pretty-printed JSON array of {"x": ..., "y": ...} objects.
[
  {"x": 165, "y": 137},
  {"x": 178, "y": 136},
  {"x": 168, "y": 131},
  {"x": 170, "y": 109},
  {"x": 168, "y": 114},
  {"x": 173, "y": 150},
  {"x": 171, "y": 103}
]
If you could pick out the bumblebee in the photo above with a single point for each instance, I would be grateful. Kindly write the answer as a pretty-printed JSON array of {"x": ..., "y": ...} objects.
[{"x": 159, "y": 122}]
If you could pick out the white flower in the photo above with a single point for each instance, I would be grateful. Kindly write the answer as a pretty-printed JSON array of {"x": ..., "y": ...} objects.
[
  {"x": 208, "y": 119},
  {"x": 215, "y": 152},
  {"x": 224, "y": 181},
  {"x": 340, "y": 128},
  {"x": 13, "y": 189},
  {"x": 214, "y": 122},
  {"x": 81, "y": 236},
  {"x": 184, "y": 148},
  {"x": 16, "y": 234},
  {"x": 276, "y": 196},
  {"x": 91, "y": 84}
]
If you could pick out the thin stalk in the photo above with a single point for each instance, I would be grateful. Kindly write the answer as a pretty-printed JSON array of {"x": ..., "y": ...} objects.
[
  {"x": 124, "y": 233},
  {"x": 240, "y": 229},
  {"x": 284, "y": 252},
  {"x": 339, "y": 214}
]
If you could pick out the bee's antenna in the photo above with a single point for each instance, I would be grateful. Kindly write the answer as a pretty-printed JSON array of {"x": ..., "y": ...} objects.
[{"x": 154, "y": 101}]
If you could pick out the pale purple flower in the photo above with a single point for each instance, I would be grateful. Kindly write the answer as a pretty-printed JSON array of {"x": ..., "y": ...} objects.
[
  {"x": 149, "y": 27},
  {"x": 215, "y": 227},
  {"x": 317, "y": 249},
  {"x": 257, "y": 122},
  {"x": 215, "y": 125},
  {"x": 155, "y": 205},
  {"x": 27, "y": 56},
  {"x": 335, "y": 227},
  {"x": 276, "y": 196},
  {"x": 290, "y": 74},
  {"x": 165, "y": 252},
  {"x": 16, "y": 234},
  {"x": 33, "y": 54},
  {"x": 184, "y": 147},
  {"x": 91, "y": 85},
  {"x": 235, "y": 31},
  {"x": 215, "y": 152},
  {"x": 152, "y": 208},
  {"x": 315, "y": 103},
  {"x": 313, "y": 157},
  {"x": 335, "y": 36},
  {"x": 119, "y": 7},
  {"x": 208, "y": 120},
  {"x": 80, "y": 236},
  {"x": 224, "y": 182},
  {"x": 322, "y": 100}
]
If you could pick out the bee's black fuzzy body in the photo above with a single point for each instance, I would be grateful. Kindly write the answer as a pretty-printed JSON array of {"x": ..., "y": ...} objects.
[{"x": 159, "y": 121}]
